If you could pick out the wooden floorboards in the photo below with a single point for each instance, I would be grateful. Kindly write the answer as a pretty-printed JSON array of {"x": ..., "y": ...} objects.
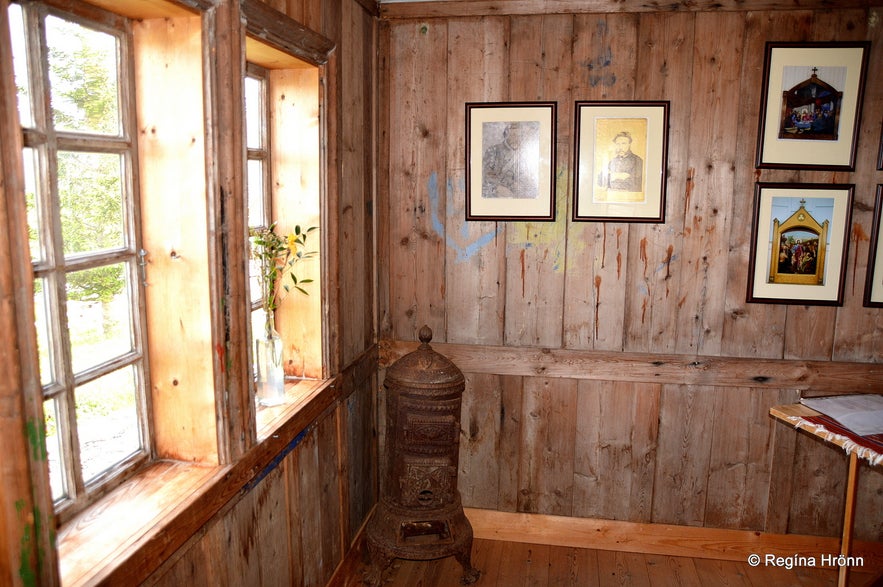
[{"x": 511, "y": 564}]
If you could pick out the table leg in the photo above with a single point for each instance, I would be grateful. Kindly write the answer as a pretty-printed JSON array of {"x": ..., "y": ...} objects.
[{"x": 848, "y": 519}]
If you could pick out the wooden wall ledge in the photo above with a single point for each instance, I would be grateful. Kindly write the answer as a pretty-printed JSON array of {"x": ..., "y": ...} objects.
[
  {"x": 460, "y": 8},
  {"x": 662, "y": 539},
  {"x": 815, "y": 377}
]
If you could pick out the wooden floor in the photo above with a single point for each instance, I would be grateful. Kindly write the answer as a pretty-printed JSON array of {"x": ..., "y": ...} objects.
[{"x": 511, "y": 564}]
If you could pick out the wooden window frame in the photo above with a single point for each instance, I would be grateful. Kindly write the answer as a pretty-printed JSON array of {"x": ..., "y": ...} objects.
[
  {"x": 295, "y": 174},
  {"x": 219, "y": 406},
  {"x": 47, "y": 144}
]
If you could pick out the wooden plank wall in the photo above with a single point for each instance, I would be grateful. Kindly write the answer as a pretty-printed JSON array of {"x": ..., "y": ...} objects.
[
  {"x": 621, "y": 447},
  {"x": 293, "y": 524}
]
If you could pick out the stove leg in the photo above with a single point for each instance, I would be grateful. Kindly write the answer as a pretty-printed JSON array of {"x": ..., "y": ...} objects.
[{"x": 470, "y": 573}]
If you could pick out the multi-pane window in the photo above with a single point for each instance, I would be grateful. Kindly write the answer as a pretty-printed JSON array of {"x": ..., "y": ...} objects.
[
  {"x": 258, "y": 194},
  {"x": 79, "y": 156}
]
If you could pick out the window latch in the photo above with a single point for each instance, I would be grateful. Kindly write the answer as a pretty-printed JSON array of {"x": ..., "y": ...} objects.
[{"x": 142, "y": 266}]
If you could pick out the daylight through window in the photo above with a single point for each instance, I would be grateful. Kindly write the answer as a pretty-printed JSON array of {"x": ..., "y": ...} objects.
[{"x": 79, "y": 156}]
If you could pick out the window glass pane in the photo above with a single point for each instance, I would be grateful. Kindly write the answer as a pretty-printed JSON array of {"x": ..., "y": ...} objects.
[
  {"x": 53, "y": 449},
  {"x": 91, "y": 201},
  {"x": 83, "y": 78},
  {"x": 41, "y": 320},
  {"x": 29, "y": 157},
  {"x": 257, "y": 216},
  {"x": 98, "y": 314},
  {"x": 254, "y": 284},
  {"x": 107, "y": 421},
  {"x": 20, "y": 65},
  {"x": 253, "y": 113}
]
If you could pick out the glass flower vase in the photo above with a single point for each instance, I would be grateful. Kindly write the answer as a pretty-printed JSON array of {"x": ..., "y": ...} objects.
[{"x": 269, "y": 374}]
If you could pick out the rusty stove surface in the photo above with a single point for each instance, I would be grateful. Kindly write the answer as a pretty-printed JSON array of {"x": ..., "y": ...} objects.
[{"x": 420, "y": 516}]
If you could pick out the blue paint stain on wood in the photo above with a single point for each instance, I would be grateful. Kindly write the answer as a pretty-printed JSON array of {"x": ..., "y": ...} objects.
[
  {"x": 277, "y": 459},
  {"x": 465, "y": 250}
]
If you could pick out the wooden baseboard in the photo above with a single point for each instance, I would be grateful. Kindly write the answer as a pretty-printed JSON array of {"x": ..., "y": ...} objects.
[{"x": 663, "y": 539}]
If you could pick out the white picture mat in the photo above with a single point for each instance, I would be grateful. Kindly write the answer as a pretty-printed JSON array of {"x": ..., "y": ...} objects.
[
  {"x": 507, "y": 207},
  {"x": 586, "y": 202},
  {"x": 811, "y": 152},
  {"x": 833, "y": 255}
]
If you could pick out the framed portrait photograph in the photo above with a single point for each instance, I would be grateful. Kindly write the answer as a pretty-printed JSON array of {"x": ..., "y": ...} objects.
[
  {"x": 510, "y": 161},
  {"x": 620, "y": 161},
  {"x": 810, "y": 108},
  {"x": 799, "y": 239},
  {"x": 874, "y": 279}
]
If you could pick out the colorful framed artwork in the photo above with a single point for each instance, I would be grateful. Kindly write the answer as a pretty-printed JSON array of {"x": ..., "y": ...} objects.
[
  {"x": 799, "y": 239},
  {"x": 811, "y": 104},
  {"x": 510, "y": 161},
  {"x": 620, "y": 161}
]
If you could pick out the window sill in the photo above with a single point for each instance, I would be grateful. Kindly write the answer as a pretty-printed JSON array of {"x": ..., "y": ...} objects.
[
  {"x": 297, "y": 394},
  {"x": 123, "y": 537},
  {"x": 98, "y": 538}
]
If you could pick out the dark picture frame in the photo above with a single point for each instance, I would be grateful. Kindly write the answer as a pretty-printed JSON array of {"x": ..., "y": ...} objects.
[
  {"x": 510, "y": 161},
  {"x": 874, "y": 279},
  {"x": 620, "y": 161},
  {"x": 880, "y": 151},
  {"x": 799, "y": 243},
  {"x": 810, "y": 108}
]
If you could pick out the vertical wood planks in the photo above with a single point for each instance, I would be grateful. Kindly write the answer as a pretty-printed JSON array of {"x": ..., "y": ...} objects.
[
  {"x": 756, "y": 330},
  {"x": 741, "y": 456},
  {"x": 174, "y": 205},
  {"x": 27, "y": 528},
  {"x": 356, "y": 193},
  {"x": 474, "y": 251},
  {"x": 853, "y": 317},
  {"x": 535, "y": 251},
  {"x": 615, "y": 454},
  {"x": 686, "y": 421},
  {"x": 547, "y": 446},
  {"x": 417, "y": 177},
  {"x": 712, "y": 150},
  {"x": 597, "y": 256},
  {"x": 656, "y": 259},
  {"x": 479, "y": 461}
]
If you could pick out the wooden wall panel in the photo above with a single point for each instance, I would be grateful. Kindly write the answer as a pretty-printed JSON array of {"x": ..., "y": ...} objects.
[
  {"x": 480, "y": 440},
  {"x": 706, "y": 227},
  {"x": 547, "y": 443},
  {"x": 534, "y": 274},
  {"x": 690, "y": 446},
  {"x": 655, "y": 275},
  {"x": 596, "y": 269},
  {"x": 754, "y": 330},
  {"x": 354, "y": 221},
  {"x": 417, "y": 110},
  {"x": 615, "y": 456},
  {"x": 476, "y": 252},
  {"x": 669, "y": 454}
]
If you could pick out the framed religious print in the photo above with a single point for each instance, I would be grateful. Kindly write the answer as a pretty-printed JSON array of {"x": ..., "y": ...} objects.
[
  {"x": 620, "y": 161},
  {"x": 811, "y": 103},
  {"x": 799, "y": 239},
  {"x": 874, "y": 279},
  {"x": 510, "y": 161}
]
